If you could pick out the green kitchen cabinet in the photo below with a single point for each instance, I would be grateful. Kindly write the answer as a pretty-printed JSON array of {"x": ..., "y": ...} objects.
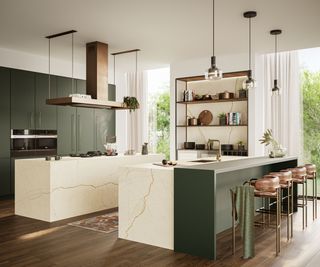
[
  {"x": 66, "y": 118},
  {"x": 22, "y": 99},
  {"x": 5, "y": 180},
  {"x": 5, "y": 113},
  {"x": 45, "y": 115},
  {"x": 105, "y": 121},
  {"x": 84, "y": 124}
]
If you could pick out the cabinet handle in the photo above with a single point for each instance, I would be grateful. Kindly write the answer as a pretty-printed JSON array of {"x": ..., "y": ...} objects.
[
  {"x": 79, "y": 133},
  {"x": 72, "y": 133}
]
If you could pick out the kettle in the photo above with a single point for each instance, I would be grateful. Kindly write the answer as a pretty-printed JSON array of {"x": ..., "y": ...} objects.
[{"x": 144, "y": 149}]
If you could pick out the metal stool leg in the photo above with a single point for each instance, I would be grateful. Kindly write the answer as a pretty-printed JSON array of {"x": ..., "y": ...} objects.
[
  {"x": 316, "y": 189},
  {"x": 303, "y": 205},
  {"x": 278, "y": 214},
  {"x": 306, "y": 203},
  {"x": 288, "y": 211},
  {"x": 291, "y": 210}
]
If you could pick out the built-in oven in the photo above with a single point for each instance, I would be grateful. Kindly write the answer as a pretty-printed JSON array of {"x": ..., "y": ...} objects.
[{"x": 32, "y": 143}]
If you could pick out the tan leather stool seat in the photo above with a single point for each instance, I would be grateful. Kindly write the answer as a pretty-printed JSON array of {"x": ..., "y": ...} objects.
[
  {"x": 311, "y": 171},
  {"x": 285, "y": 178}
]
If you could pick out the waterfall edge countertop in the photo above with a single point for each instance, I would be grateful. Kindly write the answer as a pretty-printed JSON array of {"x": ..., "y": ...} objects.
[{"x": 59, "y": 189}]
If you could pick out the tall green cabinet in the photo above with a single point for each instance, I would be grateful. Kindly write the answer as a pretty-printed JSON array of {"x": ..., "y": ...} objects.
[{"x": 5, "y": 184}]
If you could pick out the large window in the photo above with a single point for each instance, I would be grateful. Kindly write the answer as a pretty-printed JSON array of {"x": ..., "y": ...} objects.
[
  {"x": 310, "y": 86},
  {"x": 159, "y": 111}
]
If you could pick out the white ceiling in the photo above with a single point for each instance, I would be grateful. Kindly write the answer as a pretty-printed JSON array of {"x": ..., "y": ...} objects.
[{"x": 165, "y": 30}]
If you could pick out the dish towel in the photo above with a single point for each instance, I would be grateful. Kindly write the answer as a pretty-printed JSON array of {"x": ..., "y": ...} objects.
[{"x": 244, "y": 198}]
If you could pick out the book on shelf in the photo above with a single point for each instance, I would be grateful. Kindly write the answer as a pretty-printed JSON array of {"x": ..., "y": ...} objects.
[{"x": 233, "y": 118}]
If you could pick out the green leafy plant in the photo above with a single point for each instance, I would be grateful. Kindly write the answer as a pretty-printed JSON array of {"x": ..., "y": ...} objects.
[
  {"x": 131, "y": 102},
  {"x": 240, "y": 143},
  {"x": 222, "y": 115},
  {"x": 310, "y": 87}
]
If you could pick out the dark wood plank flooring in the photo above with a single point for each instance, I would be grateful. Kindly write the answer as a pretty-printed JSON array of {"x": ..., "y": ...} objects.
[{"x": 28, "y": 242}]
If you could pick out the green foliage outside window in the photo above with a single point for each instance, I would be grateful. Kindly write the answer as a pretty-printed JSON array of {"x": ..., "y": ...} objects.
[
  {"x": 310, "y": 85},
  {"x": 163, "y": 124}
]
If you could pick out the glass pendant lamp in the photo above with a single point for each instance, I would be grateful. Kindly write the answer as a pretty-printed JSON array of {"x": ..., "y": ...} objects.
[
  {"x": 249, "y": 83},
  {"x": 213, "y": 72}
]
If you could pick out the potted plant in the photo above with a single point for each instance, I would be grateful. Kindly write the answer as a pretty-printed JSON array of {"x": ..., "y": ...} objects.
[
  {"x": 222, "y": 118},
  {"x": 241, "y": 146},
  {"x": 131, "y": 102},
  {"x": 276, "y": 149}
]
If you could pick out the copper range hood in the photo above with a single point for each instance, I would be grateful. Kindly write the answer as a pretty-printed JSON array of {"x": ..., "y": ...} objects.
[{"x": 96, "y": 81}]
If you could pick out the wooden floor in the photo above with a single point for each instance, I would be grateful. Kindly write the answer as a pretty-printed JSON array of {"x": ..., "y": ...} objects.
[{"x": 28, "y": 242}]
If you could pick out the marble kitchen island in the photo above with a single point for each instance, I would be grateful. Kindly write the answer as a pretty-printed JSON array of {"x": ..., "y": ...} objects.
[
  {"x": 56, "y": 190},
  {"x": 185, "y": 207},
  {"x": 146, "y": 202}
]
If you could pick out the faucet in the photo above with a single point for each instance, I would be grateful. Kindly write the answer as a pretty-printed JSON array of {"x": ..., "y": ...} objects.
[{"x": 210, "y": 147}]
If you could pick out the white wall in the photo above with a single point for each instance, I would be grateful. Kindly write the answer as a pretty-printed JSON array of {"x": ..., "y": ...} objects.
[
  {"x": 228, "y": 63},
  {"x": 24, "y": 61}
]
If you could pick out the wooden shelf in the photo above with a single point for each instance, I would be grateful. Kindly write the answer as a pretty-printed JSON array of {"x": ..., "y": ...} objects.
[
  {"x": 213, "y": 125},
  {"x": 212, "y": 101}
]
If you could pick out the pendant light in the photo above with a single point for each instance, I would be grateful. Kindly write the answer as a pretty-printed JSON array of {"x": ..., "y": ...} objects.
[
  {"x": 249, "y": 83},
  {"x": 213, "y": 72},
  {"x": 275, "y": 89}
]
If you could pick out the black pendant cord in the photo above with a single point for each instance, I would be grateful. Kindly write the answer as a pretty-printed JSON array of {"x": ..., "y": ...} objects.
[
  {"x": 213, "y": 28},
  {"x": 72, "y": 60},
  {"x": 114, "y": 69},
  {"x": 136, "y": 83},
  {"x": 49, "y": 70},
  {"x": 250, "y": 47},
  {"x": 276, "y": 57}
]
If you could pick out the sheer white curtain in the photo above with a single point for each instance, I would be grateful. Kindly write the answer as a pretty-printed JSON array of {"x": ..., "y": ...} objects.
[
  {"x": 285, "y": 116},
  {"x": 137, "y": 121}
]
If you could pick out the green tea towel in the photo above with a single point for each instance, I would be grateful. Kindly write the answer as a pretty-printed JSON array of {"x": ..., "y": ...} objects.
[{"x": 245, "y": 217}]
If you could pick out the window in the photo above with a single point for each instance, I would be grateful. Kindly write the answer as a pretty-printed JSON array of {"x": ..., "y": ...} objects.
[
  {"x": 310, "y": 89},
  {"x": 159, "y": 111}
]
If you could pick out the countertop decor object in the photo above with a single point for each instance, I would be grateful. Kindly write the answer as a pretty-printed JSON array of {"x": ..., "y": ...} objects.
[
  {"x": 205, "y": 117},
  {"x": 276, "y": 150},
  {"x": 144, "y": 149}
]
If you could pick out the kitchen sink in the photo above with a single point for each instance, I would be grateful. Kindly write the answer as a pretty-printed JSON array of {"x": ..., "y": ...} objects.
[{"x": 204, "y": 160}]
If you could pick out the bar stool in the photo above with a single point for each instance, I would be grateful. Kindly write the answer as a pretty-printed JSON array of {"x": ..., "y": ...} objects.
[
  {"x": 286, "y": 187},
  {"x": 299, "y": 176},
  {"x": 266, "y": 187},
  {"x": 269, "y": 187},
  {"x": 312, "y": 175}
]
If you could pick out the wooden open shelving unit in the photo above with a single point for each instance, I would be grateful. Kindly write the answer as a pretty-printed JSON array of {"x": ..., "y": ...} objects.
[{"x": 186, "y": 81}]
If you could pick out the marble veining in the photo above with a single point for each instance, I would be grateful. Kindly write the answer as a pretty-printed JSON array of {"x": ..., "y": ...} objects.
[
  {"x": 56, "y": 190},
  {"x": 145, "y": 197}
]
